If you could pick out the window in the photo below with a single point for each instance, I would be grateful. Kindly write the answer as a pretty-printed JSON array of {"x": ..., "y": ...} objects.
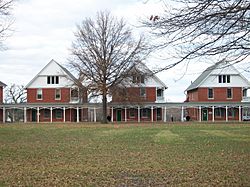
[
  {"x": 74, "y": 92},
  {"x": 57, "y": 79},
  {"x": 46, "y": 113},
  {"x": 219, "y": 112},
  {"x": 229, "y": 93},
  {"x": 220, "y": 79},
  {"x": 145, "y": 112},
  {"x": 142, "y": 91},
  {"x": 138, "y": 79},
  {"x": 244, "y": 93},
  {"x": 224, "y": 78},
  {"x": 228, "y": 78},
  {"x": 231, "y": 112},
  {"x": 210, "y": 93},
  {"x": 159, "y": 93},
  {"x": 142, "y": 79},
  {"x": 48, "y": 79},
  {"x": 52, "y": 79},
  {"x": 132, "y": 113},
  {"x": 39, "y": 94},
  {"x": 58, "y": 113},
  {"x": 57, "y": 94}
]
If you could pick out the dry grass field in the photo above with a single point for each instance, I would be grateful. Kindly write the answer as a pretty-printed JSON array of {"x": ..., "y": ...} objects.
[{"x": 125, "y": 155}]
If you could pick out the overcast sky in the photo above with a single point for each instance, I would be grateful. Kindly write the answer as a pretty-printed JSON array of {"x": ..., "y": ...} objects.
[{"x": 43, "y": 30}]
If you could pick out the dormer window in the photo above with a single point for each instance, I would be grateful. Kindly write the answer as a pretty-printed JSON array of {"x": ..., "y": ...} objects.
[
  {"x": 139, "y": 79},
  {"x": 52, "y": 79},
  {"x": 159, "y": 92},
  {"x": 224, "y": 79}
]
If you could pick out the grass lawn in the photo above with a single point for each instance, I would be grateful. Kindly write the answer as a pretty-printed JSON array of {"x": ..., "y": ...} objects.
[{"x": 125, "y": 155}]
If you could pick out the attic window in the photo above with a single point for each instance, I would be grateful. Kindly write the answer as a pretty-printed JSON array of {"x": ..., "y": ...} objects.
[
  {"x": 224, "y": 79},
  {"x": 52, "y": 79},
  {"x": 139, "y": 79}
]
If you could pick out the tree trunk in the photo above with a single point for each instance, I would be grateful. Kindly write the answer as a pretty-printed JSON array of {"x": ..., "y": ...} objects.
[{"x": 104, "y": 108}]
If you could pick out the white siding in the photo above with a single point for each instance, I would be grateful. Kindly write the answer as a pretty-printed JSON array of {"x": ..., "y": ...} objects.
[
  {"x": 235, "y": 81},
  {"x": 51, "y": 69},
  {"x": 41, "y": 82}
]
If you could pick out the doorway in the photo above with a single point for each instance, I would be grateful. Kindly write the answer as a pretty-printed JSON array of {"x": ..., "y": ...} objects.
[
  {"x": 119, "y": 115},
  {"x": 204, "y": 115},
  {"x": 34, "y": 115}
]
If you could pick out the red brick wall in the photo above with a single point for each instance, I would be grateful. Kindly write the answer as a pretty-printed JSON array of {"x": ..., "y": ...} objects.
[
  {"x": 48, "y": 95},
  {"x": 220, "y": 94},
  {"x": 192, "y": 95},
  {"x": 135, "y": 118},
  {"x": 194, "y": 115},
  {"x": 133, "y": 95},
  {"x": 70, "y": 115}
]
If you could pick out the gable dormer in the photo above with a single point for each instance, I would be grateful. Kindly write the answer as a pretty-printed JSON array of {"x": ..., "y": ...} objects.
[
  {"x": 221, "y": 74},
  {"x": 55, "y": 84},
  {"x": 53, "y": 75},
  {"x": 142, "y": 86},
  {"x": 221, "y": 82}
]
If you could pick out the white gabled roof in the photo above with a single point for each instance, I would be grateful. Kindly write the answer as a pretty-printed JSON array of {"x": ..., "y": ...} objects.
[
  {"x": 219, "y": 68},
  {"x": 46, "y": 71},
  {"x": 144, "y": 69}
]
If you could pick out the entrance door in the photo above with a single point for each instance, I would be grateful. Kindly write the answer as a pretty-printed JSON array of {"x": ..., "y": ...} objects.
[
  {"x": 204, "y": 115},
  {"x": 34, "y": 115},
  {"x": 118, "y": 115}
]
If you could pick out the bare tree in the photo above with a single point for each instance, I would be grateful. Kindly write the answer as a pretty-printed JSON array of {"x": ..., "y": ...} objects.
[
  {"x": 104, "y": 51},
  {"x": 215, "y": 29},
  {"x": 15, "y": 94},
  {"x": 5, "y": 20}
]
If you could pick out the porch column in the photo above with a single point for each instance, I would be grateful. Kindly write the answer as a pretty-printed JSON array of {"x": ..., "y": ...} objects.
[
  {"x": 51, "y": 114},
  {"x": 112, "y": 114},
  {"x": 125, "y": 115},
  {"x": 226, "y": 114},
  {"x": 77, "y": 114},
  {"x": 182, "y": 113},
  {"x": 200, "y": 113},
  {"x": 64, "y": 115},
  {"x": 13, "y": 114},
  {"x": 239, "y": 113},
  {"x": 152, "y": 114},
  {"x": 25, "y": 114},
  {"x": 4, "y": 114},
  {"x": 94, "y": 114},
  {"x": 38, "y": 115},
  {"x": 165, "y": 114},
  {"x": 139, "y": 116},
  {"x": 213, "y": 113}
]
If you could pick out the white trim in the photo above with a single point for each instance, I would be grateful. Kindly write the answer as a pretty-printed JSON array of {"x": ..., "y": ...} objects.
[
  {"x": 239, "y": 113},
  {"x": 51, "y": 114},
  {"x": 138, "y": 114},
  {"x": 226, "y": 113},
  {"x": 125, "y": 114},
  {"x": 152, "y": 114}
]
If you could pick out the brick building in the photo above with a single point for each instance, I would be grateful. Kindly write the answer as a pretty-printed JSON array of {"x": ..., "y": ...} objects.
[
  {"x": 141, "y": 88},
  {"x": 220, "y": 83},
  {"x": 54, "y": 85}
]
